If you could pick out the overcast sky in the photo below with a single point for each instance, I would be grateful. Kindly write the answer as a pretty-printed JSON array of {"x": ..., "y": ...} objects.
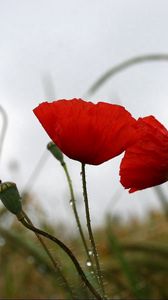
[{"x": 52, "y": 49}]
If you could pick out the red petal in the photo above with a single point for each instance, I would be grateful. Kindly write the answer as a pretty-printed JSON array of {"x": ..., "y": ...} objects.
[
  {"x": 145, "y": 164},
  {"x": 87, "y": 132}
]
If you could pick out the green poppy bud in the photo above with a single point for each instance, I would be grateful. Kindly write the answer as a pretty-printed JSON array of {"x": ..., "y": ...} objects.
[
  {"x": 56, "y": 152},
  {"x": 10, "y": 197}
]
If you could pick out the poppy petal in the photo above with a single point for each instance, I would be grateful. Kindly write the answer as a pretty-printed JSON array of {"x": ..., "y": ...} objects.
[
  {"x": 145, "y": 164},
  {"x": 87, "y": 132}
]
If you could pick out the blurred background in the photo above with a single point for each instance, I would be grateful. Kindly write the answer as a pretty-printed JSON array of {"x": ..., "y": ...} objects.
[{"x": 58, "y": 49}]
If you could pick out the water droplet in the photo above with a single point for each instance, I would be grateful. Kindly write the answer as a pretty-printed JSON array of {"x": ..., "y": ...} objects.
[
  {"x": 88, "y": 263},
  {"x": 71, "y": 202},
  {"x": 90, "y": 252},
  {"x": 92, "y": 272}
]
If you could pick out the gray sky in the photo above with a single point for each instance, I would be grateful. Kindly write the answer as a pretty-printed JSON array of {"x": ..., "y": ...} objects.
[{"x": 72, "y": 43}]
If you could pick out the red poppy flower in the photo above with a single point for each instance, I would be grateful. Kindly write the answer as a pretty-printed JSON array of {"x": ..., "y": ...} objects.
[
  {"x": 145, "y": 164},
  {"x": 87, "y": 132}
]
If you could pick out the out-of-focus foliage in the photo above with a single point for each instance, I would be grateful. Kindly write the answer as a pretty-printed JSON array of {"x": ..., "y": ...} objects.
[{"x": 133, "y": 257}]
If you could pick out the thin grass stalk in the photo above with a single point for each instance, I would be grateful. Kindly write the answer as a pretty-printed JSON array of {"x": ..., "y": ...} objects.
[
  {"x": 35, "y": 173},
  {"x": 55, "y": 264},
  {"x": 18, "y": 241},
  {"x": 4, "y": 127},
  {"x": 162, "y": 198},
  {"x": 126, "y": 267},
  {"x": 122, "y": 66}
]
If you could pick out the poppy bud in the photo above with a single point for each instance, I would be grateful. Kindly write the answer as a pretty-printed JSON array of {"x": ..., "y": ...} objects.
[
  {"x": 10, "y": 197},
  {"x": 56, "y": 152}
]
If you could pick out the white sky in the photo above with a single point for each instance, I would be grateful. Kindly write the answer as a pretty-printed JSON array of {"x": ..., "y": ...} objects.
[{"x": 73, "y": 43}]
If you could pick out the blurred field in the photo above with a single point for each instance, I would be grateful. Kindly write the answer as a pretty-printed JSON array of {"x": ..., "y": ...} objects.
[{"x": 133, "y": 257}]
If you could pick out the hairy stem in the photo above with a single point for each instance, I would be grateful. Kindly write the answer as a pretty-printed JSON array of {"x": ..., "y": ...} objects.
[
  {"x": 74, "y": 207},
  {"x": 93, "y": 245},
  {"x": 66, "y": 249},
  {"x": 76, "y": 214}
]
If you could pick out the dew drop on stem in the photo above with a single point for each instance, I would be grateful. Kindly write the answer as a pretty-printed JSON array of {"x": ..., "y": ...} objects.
[
  {"x": 71, "y": 202},
  {"x": 88, "y": 263}
]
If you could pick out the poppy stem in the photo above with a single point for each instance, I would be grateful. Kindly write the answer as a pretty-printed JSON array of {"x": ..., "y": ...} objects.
[
  {"x": 74, "y": 206},
  {"x": 65, "y": 282},
  {"x": 73, "y": 201},
  {"x": 93, "y": 245},
  {"x": 21, "y": 218}
]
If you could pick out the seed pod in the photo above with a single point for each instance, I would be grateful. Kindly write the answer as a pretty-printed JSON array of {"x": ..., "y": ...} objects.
[{"x": 10, "y": 197}]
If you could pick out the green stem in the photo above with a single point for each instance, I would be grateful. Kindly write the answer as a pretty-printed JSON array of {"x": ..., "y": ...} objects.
[
  {"x": 93, "y": 245},
  {"x": 65, "y": 282},
  {"x": 74, "y": 208},
  {"x": 76, "y": 215},
  {"x": 66, "y": 249}
]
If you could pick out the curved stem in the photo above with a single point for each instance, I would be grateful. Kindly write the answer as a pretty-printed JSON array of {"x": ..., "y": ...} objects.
[
  {"x": 50, "y": 256},
  {"x": 122, "y": 66},
  {"x": 90, "y": 229},
  {"x": 68, "y": 252},
  {"x": 76, "y": 214}
]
